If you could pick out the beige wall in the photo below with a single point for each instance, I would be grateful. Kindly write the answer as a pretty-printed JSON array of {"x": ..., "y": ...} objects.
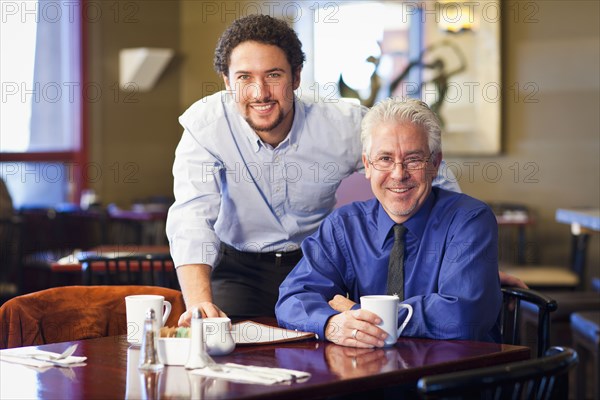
[
  {"x": 133, "y": 135},
  {"x": 551, "y": 125},
  {"x": 551, "y": 129},
  {"x": 201, "y": 26}
]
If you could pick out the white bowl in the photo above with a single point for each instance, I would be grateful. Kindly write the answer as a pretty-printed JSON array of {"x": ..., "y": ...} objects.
[{"x": 173, "y": 351}]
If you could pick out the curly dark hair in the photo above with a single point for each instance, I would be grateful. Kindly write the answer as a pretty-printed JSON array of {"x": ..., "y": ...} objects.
[{"x": 259, "y": 28}]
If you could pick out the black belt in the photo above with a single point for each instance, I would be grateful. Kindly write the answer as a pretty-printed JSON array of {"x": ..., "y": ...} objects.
[{"x": 276, "y": 257}]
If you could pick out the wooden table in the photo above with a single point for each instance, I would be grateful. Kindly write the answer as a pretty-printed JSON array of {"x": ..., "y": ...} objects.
[
  {"x": 111, "y": 370},
  {"x": 580, "y": 219}
]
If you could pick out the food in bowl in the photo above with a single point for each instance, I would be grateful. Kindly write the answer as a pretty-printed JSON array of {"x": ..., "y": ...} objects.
[{"x": 175, "y": 332}]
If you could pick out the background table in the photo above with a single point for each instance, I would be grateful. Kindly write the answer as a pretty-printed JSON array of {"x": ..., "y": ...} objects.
[{"x": 111, "y": 370}]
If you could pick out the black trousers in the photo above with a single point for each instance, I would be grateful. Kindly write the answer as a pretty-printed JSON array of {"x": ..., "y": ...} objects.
[{"x": 247, "y": 284}]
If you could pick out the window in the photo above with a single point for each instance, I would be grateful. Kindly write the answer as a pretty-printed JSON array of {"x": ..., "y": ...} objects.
[
  {"x": 357, "y": 56},
  {"x": 41, "y": 127}
]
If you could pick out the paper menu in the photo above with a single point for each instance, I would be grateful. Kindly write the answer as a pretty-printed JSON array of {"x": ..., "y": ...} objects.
[{"x": 253, "y": 333}]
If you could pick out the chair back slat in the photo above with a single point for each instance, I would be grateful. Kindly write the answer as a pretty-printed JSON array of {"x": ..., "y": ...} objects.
[
  {"x": 511, "y": 315},
  {"x": 138, "y": 269}
]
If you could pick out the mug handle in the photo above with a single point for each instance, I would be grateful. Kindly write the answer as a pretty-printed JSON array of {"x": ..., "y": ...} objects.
[
  {"x": 407, "y": 319},
  {"x": 166, "y": 312}
]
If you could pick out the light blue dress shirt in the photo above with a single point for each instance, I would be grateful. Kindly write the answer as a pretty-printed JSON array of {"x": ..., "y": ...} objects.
[
  {"x": 450, "y": 268},
  {"x": 231, "y": 187}
]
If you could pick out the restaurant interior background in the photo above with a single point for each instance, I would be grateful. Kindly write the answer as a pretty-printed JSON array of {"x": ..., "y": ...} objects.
[{"x": 550, "y": 126}]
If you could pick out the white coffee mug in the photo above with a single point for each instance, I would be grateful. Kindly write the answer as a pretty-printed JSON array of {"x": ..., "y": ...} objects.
[
  {"x": 387, "y": 307},
  {"x": 137, "y": 306},
  {"x": 217, "y": 336}
]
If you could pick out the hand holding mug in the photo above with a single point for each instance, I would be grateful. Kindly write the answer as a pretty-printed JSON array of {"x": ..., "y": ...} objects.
[
  {"x": 387, "y": 308},
  {"x": 355, "y": 328}
]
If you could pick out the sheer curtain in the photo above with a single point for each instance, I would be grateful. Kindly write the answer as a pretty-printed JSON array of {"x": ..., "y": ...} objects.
[
  {"x": 55, "y": 119},
  {"x": 41, "y": 105}
]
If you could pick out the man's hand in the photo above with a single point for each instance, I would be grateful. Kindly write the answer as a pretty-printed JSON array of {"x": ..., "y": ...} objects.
[
  {"x": 208, "y": 310},
  {"x": 355, "y": 328},
  {"x": 194, "y": 280},
  {"x": 341, "y": 303},
  {"x": 510, "y": 280}
]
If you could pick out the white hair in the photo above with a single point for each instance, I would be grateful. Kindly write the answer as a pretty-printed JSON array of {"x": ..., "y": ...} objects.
[{"x": 408, "y": 110}]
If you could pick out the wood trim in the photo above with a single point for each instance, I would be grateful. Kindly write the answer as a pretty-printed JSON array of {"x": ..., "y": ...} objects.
[
  {"x": 40, "y": 156},
  {"x": 84, "y": 142}
]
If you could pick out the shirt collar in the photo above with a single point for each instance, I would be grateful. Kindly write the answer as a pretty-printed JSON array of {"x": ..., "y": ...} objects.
[
  {"x": 415, "y": 224},
  {"x": 293, "y": 135}
]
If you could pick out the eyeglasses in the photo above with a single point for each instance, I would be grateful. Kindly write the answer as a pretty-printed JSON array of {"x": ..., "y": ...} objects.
[{"x": 386, "y": 163}]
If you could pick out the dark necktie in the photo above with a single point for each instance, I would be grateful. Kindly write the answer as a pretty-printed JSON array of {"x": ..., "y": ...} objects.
[{"x": 395, "y": 282}]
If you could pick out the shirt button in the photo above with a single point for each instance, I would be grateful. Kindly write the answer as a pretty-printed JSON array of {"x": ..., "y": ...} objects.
[{"x": 276, "y": 159}]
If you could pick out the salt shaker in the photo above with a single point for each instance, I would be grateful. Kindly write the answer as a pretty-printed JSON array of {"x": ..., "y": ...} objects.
[
  {"x": 198, "y": 355},
  {"x": 149, "y": 360}
]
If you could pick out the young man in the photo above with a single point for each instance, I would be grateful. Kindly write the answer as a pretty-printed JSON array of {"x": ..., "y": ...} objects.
[
  {"x": 450, "y": 256},
  {"x": 256, "y": 172}
]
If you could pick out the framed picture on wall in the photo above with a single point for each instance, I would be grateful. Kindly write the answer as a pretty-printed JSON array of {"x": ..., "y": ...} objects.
[{"x": 446, "y": 52}]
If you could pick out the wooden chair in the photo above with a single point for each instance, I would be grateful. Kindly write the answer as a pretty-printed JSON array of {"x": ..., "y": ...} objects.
[
  {"x": 134, "y": 269},
  {"x": 540, "y": 378},
  {"x": 586, "y": 341},
  {"x": 511, "y": 315},
  {"x": 567, "y": 303},
  {"x": 51, "y": 234},
  {"x": 11, "y": 239},
  {"x": 74, "y": 313}
]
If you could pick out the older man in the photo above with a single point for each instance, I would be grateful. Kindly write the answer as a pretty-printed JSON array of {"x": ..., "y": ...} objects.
[{"x": 450, "y": 267}]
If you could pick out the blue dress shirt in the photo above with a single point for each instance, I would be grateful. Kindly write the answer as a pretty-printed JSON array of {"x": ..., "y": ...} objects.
[
  {"x": 450, "y": 268},
  {"x": 231, "y": 187}
]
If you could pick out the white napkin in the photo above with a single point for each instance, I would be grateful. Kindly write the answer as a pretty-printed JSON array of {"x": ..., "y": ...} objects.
[
  {"x": 253, "y": 374},
  {"x": 25, "y": 356}
]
